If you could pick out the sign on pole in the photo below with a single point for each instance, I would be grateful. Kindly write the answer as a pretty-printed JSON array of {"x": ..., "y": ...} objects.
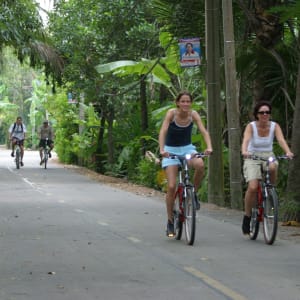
[{"x": 190, "y": 52}]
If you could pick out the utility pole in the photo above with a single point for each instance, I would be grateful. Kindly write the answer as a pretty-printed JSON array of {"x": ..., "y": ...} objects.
[
  {"x": 232, "y": 105},
  {"x": 214, "y": 124}
]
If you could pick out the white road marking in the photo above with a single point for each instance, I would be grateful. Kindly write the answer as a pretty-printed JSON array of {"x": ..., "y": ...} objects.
[
  {"x": 102, "y": 223},
  {"x": 133, "y": 239}
]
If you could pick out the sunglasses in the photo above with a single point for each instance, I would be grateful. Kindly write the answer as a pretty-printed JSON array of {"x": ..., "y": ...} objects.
[{"x": 264, "y": 112}]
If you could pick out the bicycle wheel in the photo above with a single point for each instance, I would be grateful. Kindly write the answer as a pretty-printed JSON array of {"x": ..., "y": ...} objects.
[
  {"x": 18, "y": 158},
  {"x": 270, "y": 215},
  {"x": 45, "y": 157},
  {"x": 254, "y": 224},
  {"x": 177, "y": 217},
  {"x": 190, "y": 216}
]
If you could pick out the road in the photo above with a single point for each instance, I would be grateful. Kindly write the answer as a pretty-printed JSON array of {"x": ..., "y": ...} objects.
[{"x": 65, "y": 236}]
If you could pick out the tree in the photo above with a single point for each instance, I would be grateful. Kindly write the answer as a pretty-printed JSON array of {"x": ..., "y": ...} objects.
[
  {"x": 233, "y": 116},
  {"x": 292, "y": 210},
  {"x": 22, "y": 29},
  {"x": 215, "y": 171}
]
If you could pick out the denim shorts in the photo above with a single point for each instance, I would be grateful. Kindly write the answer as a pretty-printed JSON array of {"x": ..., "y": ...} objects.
[
  {"x": 180, "y": 150},
  {"x": 252, "y": 169}
]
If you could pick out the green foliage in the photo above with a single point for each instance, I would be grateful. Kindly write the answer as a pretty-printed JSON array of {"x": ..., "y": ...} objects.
[
  {"x": 147, "y": 173},
  {"x": 289, "y": 210},
  {"x": 125, "y": 50},
  {"x": 167, "y": 11}
]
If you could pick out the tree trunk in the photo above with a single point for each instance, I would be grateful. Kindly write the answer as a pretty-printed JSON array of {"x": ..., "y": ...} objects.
[
  {"x": 99, "y": 152},
  {"x": 233, "y": 116},
  {"x": 110, "y": 139},
  {"x": 293, "y": 184},
  {"x": 144, "y": 112},
  {"x": 215, "y": 163},
  {"x": 144, "y": 108}
]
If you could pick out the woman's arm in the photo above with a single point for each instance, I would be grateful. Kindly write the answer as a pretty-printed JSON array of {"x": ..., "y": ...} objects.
[
  {"x": 282, "y": 142},
  {"x": 203, "y": 131},
  {"x": 163, "y": 132}
]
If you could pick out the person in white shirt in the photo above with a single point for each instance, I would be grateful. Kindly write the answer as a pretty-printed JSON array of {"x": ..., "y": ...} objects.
[
  {"x": 258, "y": 140},
  {"x": 17, "y": 132}
]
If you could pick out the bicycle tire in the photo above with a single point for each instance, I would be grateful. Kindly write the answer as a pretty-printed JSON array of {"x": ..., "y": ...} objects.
[
  {"x": 254, "y": 224},
  {"x": 177, "y": 215},
  {"x": 45, "y": 157},
  {"x": 190, "y": 216},
  {"x": 270, "y": 220},
  {"x": 18, "y": 158}
]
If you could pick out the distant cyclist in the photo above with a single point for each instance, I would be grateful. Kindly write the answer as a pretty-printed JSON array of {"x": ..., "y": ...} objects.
[
  {"x": 17, "y": 132},
  {"x": 46, "y": 132}
]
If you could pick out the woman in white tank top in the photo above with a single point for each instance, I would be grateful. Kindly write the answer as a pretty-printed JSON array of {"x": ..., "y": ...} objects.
[{"x": 258, "y": 139}]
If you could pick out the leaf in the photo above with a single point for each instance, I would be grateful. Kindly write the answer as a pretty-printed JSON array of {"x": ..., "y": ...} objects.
[{"x": 109, "y": 67}]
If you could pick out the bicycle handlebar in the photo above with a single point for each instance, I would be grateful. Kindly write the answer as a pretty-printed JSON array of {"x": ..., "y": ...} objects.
[
  {"x": 188, "y": 156},
  {"x": 270, "y": 159}
]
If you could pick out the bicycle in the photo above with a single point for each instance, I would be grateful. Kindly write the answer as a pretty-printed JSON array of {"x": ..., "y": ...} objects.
[
  {"x": 185, "y": 200},
  {"x": 266, "y": 208},
  {"x": 18, "y": 154},
  {"x": 45, "y": 155}
]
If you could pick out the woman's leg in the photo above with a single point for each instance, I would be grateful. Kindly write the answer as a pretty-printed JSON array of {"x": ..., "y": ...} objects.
[
  {"x": 198, "y": 165},
  {"x": 171, "y": 173},
  {"x": 273, "y": 172},
  {"x": 250, "y": 198}
]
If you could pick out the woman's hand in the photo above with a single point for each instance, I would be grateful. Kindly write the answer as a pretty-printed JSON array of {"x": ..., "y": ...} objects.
[
  {"x": 164, "y": 154},
  {"x": 208, "y": 151},
  {"x": 290, "y": 155},
  {"x": 246, "y": 154}
]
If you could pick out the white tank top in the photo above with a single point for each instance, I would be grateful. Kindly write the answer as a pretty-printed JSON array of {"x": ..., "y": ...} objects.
[{"x": 259, "y": 143}]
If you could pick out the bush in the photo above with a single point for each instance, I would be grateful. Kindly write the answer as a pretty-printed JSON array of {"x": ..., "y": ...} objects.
[{"x": 147, "y": 173}]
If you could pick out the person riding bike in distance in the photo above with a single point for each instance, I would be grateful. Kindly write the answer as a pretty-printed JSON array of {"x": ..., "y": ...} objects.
[
  {"x": 175, "y": 137},
  {"x": 17, "y": 132},
  {"x": 46, "y": 132}
]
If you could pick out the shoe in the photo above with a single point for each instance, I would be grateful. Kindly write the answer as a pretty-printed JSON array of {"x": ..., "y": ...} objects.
[
  {"x": 42, "y": 161},
  {"x": 197, "y": 202},
  {"x": 246, "y": 225},
  {"x": 170, "y": 229},
  {"x": 21, "y": 163},
  {"x": 49, "y": 154},
  {"x": 12, "y": 154}
]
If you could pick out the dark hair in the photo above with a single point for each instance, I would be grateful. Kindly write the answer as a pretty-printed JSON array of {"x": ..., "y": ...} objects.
[
  {"x": 189, "y": 44},
  {"x": 184, "y": 93},
  {"x": 259, "y": 105}
]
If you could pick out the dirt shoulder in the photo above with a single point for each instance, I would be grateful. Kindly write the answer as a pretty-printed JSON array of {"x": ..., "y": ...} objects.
[{"x": 285, "y": 232}]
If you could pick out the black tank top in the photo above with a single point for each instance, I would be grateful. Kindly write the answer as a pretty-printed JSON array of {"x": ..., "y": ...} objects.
[{"x": 179, "y": 135}]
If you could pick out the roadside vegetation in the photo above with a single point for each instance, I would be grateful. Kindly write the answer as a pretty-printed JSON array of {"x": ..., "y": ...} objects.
[{"x": 105, "y": 72}]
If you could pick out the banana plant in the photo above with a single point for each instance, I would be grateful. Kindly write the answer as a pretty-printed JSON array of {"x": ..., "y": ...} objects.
[{"x": 159, "y": 70}]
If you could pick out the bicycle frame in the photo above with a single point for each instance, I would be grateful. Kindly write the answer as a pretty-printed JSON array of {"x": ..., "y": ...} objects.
[
  {"x": 185, "y": 212},
  {"x": 266, "y": 210}
]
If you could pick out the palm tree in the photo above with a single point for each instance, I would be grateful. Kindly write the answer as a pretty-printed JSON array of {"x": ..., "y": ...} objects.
[{"x": 22, "y": 29}]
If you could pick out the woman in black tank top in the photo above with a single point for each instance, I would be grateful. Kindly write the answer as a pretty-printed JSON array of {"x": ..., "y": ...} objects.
[{"x": 175, "y": 137}]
